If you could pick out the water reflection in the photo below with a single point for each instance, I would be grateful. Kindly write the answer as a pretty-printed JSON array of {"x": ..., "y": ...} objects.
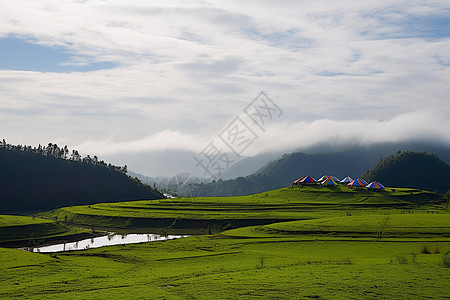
[{"x": 107, "y": 240}]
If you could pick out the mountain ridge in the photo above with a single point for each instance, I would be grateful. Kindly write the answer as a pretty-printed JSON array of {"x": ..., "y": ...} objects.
[{"x": 284, "y": 171}]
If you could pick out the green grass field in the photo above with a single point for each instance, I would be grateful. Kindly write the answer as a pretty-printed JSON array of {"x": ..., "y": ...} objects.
[
  {"x": 30, "y": 231},
  {"x": 387, "y": 226},
  {"x": 284, "y": 204},
  {"x": 216, "y": 267},
  {"x": 9, "y": 220},
  {"x": 311, "y": 243},
  {"x": 21, "y": 227}
]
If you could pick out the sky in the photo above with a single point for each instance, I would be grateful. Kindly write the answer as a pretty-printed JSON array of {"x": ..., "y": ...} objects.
[{"x": 139, "y": 78}]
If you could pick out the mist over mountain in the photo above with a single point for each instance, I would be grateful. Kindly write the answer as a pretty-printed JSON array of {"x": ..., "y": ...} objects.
[
  {"x": 249, "y": 165},
  {"x": 169, "y": 163},
  {"x": 386, "y": 148},
  {"x": 166, "y": 163},
  {"x": 365, "y": 157}
]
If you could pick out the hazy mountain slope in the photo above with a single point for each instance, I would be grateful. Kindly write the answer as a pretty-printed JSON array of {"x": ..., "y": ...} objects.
[
  {"x": 30, "y": 181},
  {"x": 249, "y": 165},
  {"x": 292, "y": 166},
  {"x": 385, "y": 149},
  {"x": 370, "y": 154},
  {"x": 282, "y": 172}
]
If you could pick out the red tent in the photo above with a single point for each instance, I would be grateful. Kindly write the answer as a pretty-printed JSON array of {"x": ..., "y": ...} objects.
[{"x": 305, "y": 180}]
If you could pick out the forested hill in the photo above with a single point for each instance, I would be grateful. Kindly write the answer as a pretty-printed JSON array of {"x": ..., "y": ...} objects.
[
  {"x": 422, "y": 173},
  {"x": 412, "y": 169},
  {"x": 32, "y": 181}
]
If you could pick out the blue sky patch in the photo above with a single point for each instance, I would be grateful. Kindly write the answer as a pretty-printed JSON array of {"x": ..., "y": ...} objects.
[
  {"x": 26, "y": 55},
  {"x": 435, "y": 27},
  {"x": 425, "y": 27}
]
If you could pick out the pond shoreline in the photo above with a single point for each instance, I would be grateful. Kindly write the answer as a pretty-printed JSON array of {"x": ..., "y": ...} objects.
[
  {"x": 48, "y": 241},
  {"x": 99, "y": 231},
  {"x": 110, "y": 239}
]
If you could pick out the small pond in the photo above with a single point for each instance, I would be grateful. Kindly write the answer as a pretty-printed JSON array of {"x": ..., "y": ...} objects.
[{"x": 107, "y": 240}]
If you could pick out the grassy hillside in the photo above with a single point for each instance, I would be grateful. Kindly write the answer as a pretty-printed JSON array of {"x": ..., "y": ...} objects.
[
  {"x": 412, "y": 169},
  {"x": 219, "y": 267},
  {"x": 291, "y": 203},
  {"x": 375, "y": 225},
  {"x": 29, "y": 181},
  {"x": 14, "y": 228},
  {"x": 311, "y": 243},
  {"x": 9, "y": 220}
]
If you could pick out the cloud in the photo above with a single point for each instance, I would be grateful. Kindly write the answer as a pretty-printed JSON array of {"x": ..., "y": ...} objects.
[
  {"x": 425, "y": 126},
  {"x": 179, "y": 71},
  {"x": 164, "y": 140},
  {"x": 204, "y": 69}
]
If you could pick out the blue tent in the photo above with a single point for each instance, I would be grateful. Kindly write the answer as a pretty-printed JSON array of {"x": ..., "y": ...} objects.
[
  {"x": 329, "y": 182},
  {"x": 375, "y": 186},
  {"x": 334, "y": 178},
  {"x": 357, "y": 183}
]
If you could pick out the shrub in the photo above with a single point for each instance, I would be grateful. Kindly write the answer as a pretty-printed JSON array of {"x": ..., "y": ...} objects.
[
  {"x": 437, "y": 250},
  {"x": 425, "y": 250},
  {"x": 261, "y": 262}
]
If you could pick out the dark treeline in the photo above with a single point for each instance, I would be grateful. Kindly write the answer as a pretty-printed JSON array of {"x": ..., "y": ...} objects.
[
  {"x": 43, "y": 178},
  {"x": 53, "y": 150}
]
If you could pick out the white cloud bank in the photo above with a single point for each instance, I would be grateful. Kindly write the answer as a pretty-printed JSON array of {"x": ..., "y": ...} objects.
[
  {"x": 423, "y": 126},
  {"x": 283, "y": 136}
]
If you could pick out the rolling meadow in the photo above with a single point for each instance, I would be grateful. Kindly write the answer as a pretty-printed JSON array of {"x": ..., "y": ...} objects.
[{"x": 308, "y": 242}]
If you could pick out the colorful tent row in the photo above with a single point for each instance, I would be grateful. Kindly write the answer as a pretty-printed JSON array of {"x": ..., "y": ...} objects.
[{"x": 332, "y": 181}]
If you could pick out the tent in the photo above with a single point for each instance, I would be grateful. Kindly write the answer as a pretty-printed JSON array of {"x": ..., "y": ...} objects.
[
  {"x": 347, "y": 179},
  {"x": 357, "y": 183},
  {"x": 329, "y": 182},
  {"x": 375, "y": 186},
  {"x": 297, "y": 181},
  {"x": 323, "y": 178},
  {"x": 307, "y": 180},
  {"x": 334, "y": 178}
]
